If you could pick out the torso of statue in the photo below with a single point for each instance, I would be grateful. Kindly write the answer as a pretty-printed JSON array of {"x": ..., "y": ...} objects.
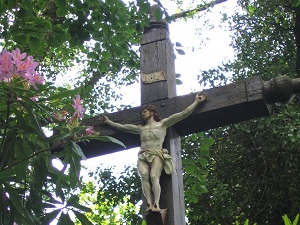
[{"x": 152, "y": 136}]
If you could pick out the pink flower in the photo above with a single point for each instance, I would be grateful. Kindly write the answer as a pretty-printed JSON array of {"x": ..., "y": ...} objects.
[
  {"x": 77, "y": 102},
  {"x": 27, "y": 66},
  {"x": 89, "y": 131},
  {"x": 18, "y": 56},
  {"x": 6, "y": 65},
  {"x": 34, "y": 79},
  {"x": 78, "y": 107}
]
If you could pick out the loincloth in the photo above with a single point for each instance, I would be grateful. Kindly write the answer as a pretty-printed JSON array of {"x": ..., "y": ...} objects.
[{"x": 149, "y": 155}]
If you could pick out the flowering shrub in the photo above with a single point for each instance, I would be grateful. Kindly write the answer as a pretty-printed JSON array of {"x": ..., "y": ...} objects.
[
  {"x": 16, "y": 64},
  {"x": 32, "y": 189}
]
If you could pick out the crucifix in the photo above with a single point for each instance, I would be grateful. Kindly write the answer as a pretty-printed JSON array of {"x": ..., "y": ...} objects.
[{"x": 233, "y": 103}]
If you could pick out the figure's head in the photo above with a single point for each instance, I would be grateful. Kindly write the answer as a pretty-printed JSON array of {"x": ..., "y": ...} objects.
[{"x": 147, "y": 112}]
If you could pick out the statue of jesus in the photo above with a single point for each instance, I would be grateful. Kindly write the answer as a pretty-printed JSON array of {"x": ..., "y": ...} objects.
[{"x": 152, "y": 157}]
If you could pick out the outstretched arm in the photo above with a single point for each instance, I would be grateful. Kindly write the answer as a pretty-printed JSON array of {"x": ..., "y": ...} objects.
[
  {"x": 171, "y": 120},
  {"x": 129, "y": 128}
]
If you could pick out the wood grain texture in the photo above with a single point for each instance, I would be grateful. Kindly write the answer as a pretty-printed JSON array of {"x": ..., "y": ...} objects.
[{"x": 157, "y": 55}]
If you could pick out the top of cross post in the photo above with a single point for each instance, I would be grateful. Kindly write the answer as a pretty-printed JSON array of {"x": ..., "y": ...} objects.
[{"x": 153, "y": 22}]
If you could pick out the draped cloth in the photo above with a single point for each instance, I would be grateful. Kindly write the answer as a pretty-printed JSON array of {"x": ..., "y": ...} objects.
[{"x": 149, "y": 155}]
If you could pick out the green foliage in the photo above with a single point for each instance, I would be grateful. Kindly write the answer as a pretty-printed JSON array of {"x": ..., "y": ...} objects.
[
  {"x": 98, "y": 38},
  {"x": 196, "y": 159},
  {"x": 33, "y": 189},
  {"x": 285, "y": 218},
  {"x": 253, "y": 167},
  {"x": 263, "y": 39},
  {"x": 245, "y": 223},
  {"x": 114, "y": 199},
  {"x": 287, "y": 221}
]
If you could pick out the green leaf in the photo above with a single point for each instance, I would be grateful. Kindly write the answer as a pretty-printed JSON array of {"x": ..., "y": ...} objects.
[
  {"x": 246, "y": 222},
  {"x": 77, "y": 150},
  {"x": 204, "y": 152},
  {"x": 32, "y": 118},
  {"x": 92, "y": 55},
  {"x": 17, "y": 203},
  {"x": 190, "y": 169},
  {"x": 286, "y": 220},
  {"x": 42, "y": 23},
  {"x": 158, "y": 13},
  {"x": 20, "y": 38},
  {"x": 49, "y": 217},
  {"x": 62, "y": 11},
  {"x": 6, "y": 175},
  {"x": 178, "y": 44},
  {"x": 203, "y": 189},
  {"x": 202, "y": 178},
  {"x": 65, "y": 219},
  {"x": 105, "y": 55},
  {"x": 73, "y": 199},
  {"x": 21, "y": 170},
  {"x": 105, "y": 139},
  {"x": 208, "y": 141},
  {"x": 178, "y": 82},
  {"x": 11, "y": 4},
  {"x": 204, "y": 147},
  {"x": 144, "y": 8},
  {"x": 295, "y": 3},
  {"x": 180, "y": 51},
  {"x": 60, "y": 3},
  {"x": 62, "y": 94},
  {"x": 40, "y": 171},
  {"x": 82, "y": 218},
  {"x": 36, "y": 105},
  {"x": 188, "y": 161},
  {"x": 78, "y": 206},
  {"x": 74, "y": 170},
  {"x": 295, "y": 222},
  {"x": 144, "y": 222},
  {"x": 59, "y": 177},
  {"x": 58, "y": 137},
  {"x": 34, "y": 44},
  {"x": 203, "y": 161}
]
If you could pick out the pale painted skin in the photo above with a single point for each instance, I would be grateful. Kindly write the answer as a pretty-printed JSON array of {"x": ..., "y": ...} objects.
[{"x": 152, "y": 136}]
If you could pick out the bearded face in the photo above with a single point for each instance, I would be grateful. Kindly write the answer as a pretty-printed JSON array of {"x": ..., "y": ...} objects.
[{"x": 146, "y": 114}]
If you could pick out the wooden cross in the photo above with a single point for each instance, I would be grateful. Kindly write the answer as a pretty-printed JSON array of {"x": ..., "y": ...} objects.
[{"x": 225, "y": 105}]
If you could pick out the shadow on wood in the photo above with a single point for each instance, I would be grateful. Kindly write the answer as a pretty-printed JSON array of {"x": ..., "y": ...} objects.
[{"x": 157, "y": 218}]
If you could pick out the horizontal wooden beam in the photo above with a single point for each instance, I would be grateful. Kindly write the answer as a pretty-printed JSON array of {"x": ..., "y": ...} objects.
[{"x": 225, "y": 105}]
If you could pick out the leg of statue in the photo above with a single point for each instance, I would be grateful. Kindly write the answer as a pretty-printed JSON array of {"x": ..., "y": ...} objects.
[
  {"x": 155, "y": 172},
  {"x": 144, "y": 171}
]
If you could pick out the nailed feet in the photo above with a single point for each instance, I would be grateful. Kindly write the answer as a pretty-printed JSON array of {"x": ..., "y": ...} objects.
[{"x": 153, "y": 208}]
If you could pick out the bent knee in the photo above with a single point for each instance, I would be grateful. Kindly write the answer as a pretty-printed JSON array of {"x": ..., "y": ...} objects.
[
  {"x": 154, "y": 177},
  {"x": 144, "y": 175}
]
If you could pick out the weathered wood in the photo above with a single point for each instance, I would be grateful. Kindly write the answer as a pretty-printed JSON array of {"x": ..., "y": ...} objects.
[
  {"x": 172, "y": 194},
  {"x": 157, "y": 218},
  {"x": 157, "y": 55},
  {"x": 225, "y": 105}
]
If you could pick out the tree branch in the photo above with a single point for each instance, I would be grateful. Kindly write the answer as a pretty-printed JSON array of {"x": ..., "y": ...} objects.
[{"x": 195, "y": 10}]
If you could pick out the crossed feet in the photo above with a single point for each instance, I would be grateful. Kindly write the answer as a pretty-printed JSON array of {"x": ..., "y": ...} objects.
[{"x": 153, "y": 208}]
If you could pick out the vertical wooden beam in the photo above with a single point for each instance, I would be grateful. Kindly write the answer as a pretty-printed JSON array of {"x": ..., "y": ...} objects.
[
  {"x": 158, "y": 82},
  {"x": 157, "y": 56}
]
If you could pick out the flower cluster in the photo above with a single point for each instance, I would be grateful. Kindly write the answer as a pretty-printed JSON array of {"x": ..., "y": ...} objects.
[
  {"x": 78, "y": 114},
  {"x": 16, "y": 64},
  {"x": 79, "y": 110}
]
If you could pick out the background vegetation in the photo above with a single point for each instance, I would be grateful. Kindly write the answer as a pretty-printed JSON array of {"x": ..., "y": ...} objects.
[{"x": 244, "y": 171}]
